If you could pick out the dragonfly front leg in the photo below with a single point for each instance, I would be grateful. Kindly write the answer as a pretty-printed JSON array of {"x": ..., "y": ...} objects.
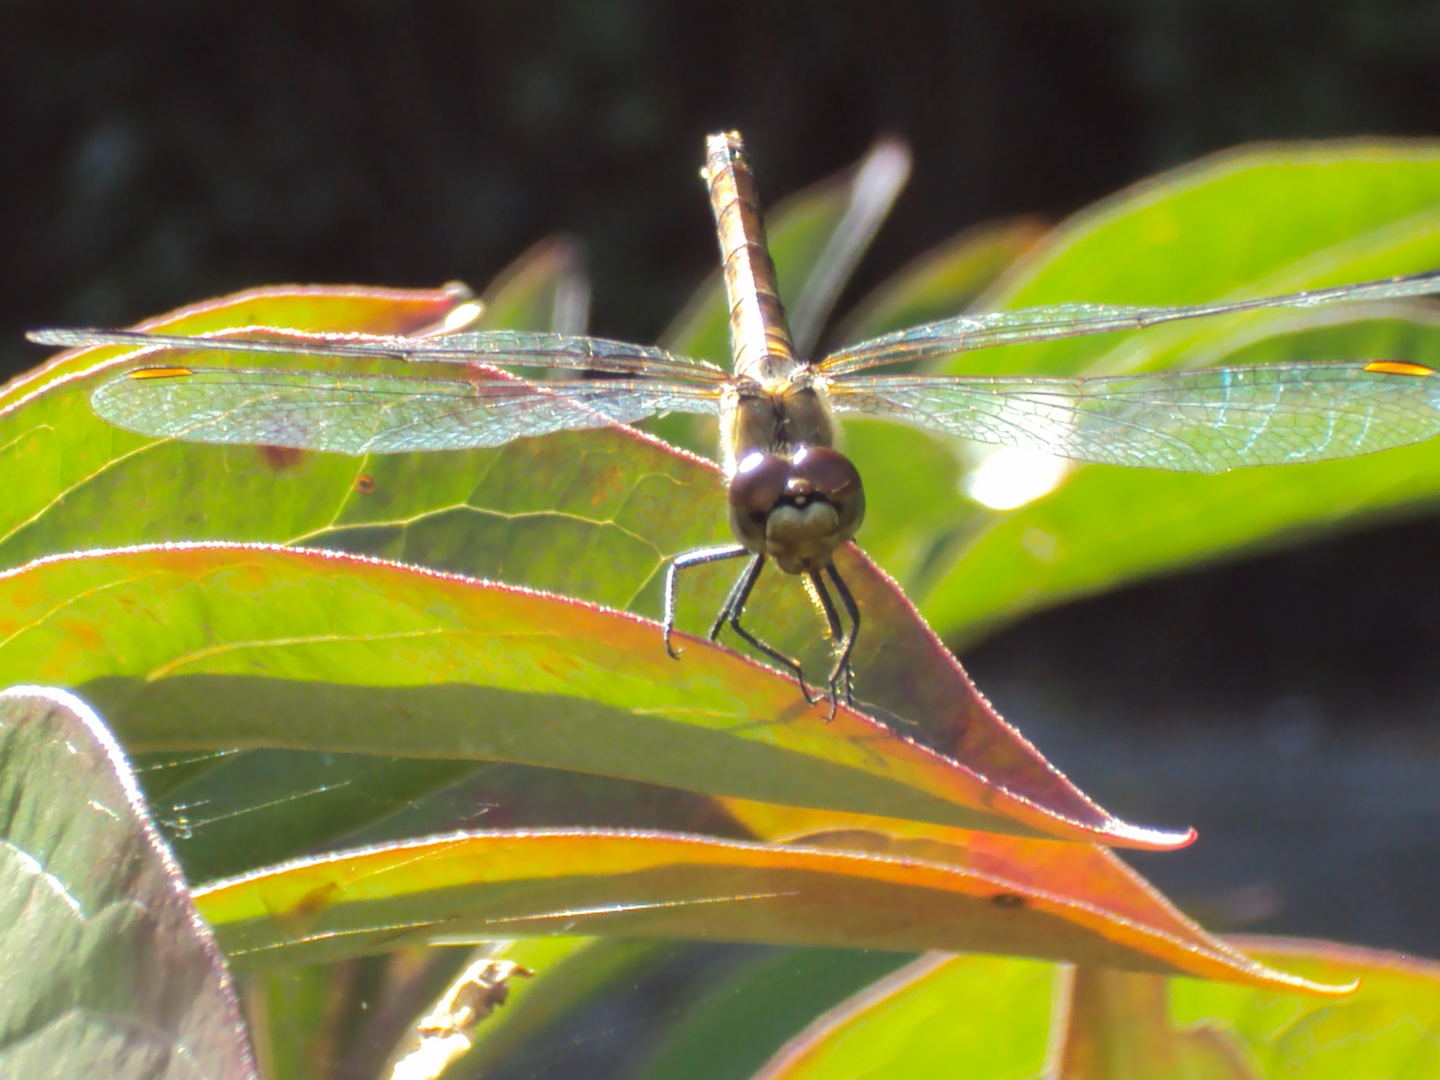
[
  {"x": 842, "y": 677},
  {"x": 698, "y": 557}
]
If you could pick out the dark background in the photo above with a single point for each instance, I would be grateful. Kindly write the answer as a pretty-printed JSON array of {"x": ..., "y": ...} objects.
[{"x": 155, "y": 153}]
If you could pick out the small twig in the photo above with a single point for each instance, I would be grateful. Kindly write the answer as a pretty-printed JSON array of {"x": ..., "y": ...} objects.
[{"x": 445, "y": 1033}]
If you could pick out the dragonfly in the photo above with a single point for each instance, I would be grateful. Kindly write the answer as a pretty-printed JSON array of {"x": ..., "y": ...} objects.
[{"x": 794, "y": 498}]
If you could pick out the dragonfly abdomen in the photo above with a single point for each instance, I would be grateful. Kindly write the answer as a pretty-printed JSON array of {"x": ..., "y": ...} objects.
[{"x": 760, "y": 340}]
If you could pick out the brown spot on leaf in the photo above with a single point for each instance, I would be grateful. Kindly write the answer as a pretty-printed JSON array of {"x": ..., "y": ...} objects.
[{"x": 281, "y": 458}]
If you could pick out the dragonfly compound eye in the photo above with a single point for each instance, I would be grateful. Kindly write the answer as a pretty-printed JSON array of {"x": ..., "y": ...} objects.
[
  {"x": 798, "y": 511},
  {"x": 758, "y": 485},
  {"x": 832, "y": 476}
]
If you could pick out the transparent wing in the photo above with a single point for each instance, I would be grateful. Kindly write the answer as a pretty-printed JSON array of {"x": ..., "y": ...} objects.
[
  {"x": 1207, "y": 420},
  {"x": 358, "y": 414},
  {"x": 501, "y": 347},
  {"x": 968, "y": 332}
]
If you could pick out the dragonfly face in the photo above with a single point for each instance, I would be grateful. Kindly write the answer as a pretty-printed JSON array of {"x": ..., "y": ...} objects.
[
  {"x": 796, "y": 509},
  {"x": 793, "y": 498}
]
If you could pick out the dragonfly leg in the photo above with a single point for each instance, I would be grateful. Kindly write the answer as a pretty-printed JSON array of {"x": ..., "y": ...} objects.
[
  {"x": 698, "y": 557},
  {"x": 739, "y": 594},
  {"x": 847, "y": 645},
  {"x": 735, "y": 605},
  {"x": 841, "y": 677}
]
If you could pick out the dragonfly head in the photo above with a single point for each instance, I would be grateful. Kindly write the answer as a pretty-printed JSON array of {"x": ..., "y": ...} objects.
[{"x": 796, "y": 509}]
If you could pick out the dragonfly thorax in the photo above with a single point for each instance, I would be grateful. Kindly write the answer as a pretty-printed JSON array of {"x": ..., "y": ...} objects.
[
  {"x": 775, "y": 417},
  {"x": 797, "y": 509}
]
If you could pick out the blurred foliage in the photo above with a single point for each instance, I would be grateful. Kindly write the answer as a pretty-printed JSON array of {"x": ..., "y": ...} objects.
[{"x": 172, "y": 152}]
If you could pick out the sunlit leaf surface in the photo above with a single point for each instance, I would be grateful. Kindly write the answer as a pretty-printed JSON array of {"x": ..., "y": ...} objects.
[
  {"x": 1249, "y": 223},
  {"x": 105, "y": 969},
  {"x": 1117, "y": 1027},
  {"x": 214, "y": 646},
  {"x": 993, "y": 1014},
  {"x": 594, "y": 515},
  {"x": 1389, "y": 1029},
  {"x": 66, "y": 473},
  {"x": 491, "y": 885},
  {"x": 1007, "y": 1018}
]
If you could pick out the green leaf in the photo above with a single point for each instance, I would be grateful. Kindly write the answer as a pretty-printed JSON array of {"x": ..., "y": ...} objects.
[
  {"x": 234, "y": 810},
  {"x": 264, "y": 806},
  {"x": 261, "y": 806},
  {"x": 1249, "y": 223},
  {"x": 920, "y": 497},
  {"x": 854, "y": 890},
  {"x": 595, "y": 515},
  {"x": 293, "y": 1014},
  {"x": 1109, "y": 526},
  {"x": 71, "y": 480},
  {"x": 943, "y": 282},
  {"x": 990, "y": 1013},
  {"x": 545, "y": 289},
  {"x": 108, "y": 970},
  {"x": 1389, "y": 1029},
  {"x": 743, "y": 1018},
  {"x": 211, "y": 646},
  {"x": 504, "y": 796},
  {"x": 1007, "y": 1018}
]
